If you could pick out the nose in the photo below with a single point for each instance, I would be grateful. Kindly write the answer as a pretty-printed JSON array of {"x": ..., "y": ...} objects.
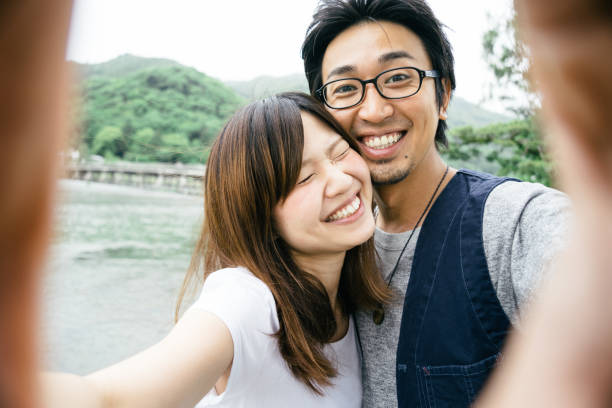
[
  {"x": 338, "y": 181},
  {"x": 374, "y": 108}
]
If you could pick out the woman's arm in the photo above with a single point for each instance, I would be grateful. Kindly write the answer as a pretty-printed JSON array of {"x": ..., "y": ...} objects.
[{"x": 176, "y": 372}]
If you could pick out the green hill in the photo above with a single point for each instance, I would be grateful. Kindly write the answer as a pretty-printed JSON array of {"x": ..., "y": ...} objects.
[
  {"x": 142, "y": 109},
  {"x": 263, "y": 86},
  {"x": 464, "y": 113},
  {"x": 123, "y": 65}
]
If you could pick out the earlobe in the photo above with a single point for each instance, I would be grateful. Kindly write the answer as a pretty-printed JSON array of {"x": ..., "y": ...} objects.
[{"x": 447, "y": 94}]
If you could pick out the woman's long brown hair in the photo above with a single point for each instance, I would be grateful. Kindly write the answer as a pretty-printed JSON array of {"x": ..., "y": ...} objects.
[{"x": 254, "y": 165}]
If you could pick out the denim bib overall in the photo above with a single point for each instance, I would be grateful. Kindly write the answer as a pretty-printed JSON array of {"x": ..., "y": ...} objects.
[{"x": 453, "y": 326}]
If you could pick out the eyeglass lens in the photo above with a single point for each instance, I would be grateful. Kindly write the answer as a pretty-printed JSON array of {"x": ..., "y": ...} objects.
[{"x": 396, "y": 83}]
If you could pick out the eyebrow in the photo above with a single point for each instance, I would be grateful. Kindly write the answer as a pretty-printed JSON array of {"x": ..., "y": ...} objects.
[
  {"x": 389, "y": 56},
  {"x": 341, "y": 70},
  {"x": 328, "y": 151}
]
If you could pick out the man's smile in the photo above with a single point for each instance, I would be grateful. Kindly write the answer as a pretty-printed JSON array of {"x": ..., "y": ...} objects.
[{"x": 382, "y": 142}]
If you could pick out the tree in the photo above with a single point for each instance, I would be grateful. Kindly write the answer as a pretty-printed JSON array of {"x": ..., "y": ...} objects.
[
  {"x": 513, "y": 148},
  {"x": 109, "y": 142},
  {"x": 508, "y": 59},
  {"x": 143, "y": 145},
  {"x": 173, "y": 147},
  {"x": 516, "y": 148}
]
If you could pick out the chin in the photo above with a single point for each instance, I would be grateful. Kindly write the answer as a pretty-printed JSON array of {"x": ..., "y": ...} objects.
[
  {"x": 365, "y": 234},
  {"x": 388, "y": 176}
]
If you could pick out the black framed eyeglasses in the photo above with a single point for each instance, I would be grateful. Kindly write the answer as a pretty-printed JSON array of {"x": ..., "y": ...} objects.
[{"x": 396, "y": 83}]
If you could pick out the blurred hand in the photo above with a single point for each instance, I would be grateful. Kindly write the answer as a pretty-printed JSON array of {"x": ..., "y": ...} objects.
[{"x": 563, "y": 355}]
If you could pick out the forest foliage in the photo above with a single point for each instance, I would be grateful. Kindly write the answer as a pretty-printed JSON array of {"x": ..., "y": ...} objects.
[{"x": 162, "y": 113}]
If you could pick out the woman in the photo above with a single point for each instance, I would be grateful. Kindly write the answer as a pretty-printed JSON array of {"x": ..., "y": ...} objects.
[{"x": 287, "y": 256}]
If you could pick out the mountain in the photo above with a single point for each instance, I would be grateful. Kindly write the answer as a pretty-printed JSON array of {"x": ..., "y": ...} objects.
[
  {"x": 263, "y": 86},
  {"x": 460, "y": 111},
  {"x": 143, "y": 109},
  {"x": 121, "y": 66},
  {"x": 464, "y": 113}
]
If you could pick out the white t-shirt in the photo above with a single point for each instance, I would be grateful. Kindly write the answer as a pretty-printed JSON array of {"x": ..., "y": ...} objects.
[{"x": 259, "y": 376}]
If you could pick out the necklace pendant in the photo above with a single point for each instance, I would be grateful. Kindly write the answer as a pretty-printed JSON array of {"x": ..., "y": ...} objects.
[{"x": 378, "y": 315}]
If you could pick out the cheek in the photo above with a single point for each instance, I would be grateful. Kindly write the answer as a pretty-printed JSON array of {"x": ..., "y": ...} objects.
[
  {"x": 292, "y": 217},
  {"x": 344, "y": 117},
  {"x": 358, "y": 168},
  {"x": 423, "y": 113},
  {"x": 429, "y": 105}
]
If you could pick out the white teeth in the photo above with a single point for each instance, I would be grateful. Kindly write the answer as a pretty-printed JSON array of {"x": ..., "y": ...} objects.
[
  {"x": 382, "y": 142},
  {"x": 346, "y": 211}
]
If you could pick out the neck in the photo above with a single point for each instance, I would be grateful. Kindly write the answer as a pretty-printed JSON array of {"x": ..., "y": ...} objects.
[
  {"x": 401, "y": 204},
  {"x": 327, "y": 268}
]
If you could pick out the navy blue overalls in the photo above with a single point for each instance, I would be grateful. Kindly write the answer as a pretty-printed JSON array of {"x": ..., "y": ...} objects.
[{"x": 453, "y": 326}]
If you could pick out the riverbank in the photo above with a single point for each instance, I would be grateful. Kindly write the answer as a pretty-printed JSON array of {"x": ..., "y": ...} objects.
[{"x": 185, "y": 179}]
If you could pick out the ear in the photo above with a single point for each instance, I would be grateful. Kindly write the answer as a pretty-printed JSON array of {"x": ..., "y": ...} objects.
[{"x": 445, "y": 99}]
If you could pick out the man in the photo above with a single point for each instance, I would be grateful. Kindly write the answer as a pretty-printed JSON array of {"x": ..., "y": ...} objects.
[{"x": 462, "y": 251}]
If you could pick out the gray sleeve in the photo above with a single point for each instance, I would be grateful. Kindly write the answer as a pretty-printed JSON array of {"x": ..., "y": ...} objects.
[{"x": 524, "y": 226}]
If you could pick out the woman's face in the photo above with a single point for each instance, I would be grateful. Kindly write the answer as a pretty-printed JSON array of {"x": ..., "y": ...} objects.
[{"x": 329, "y": 210}]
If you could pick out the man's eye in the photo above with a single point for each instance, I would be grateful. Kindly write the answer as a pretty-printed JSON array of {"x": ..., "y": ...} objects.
[
  {"x": 344, "y": 89},
  {"x": 398, "y": 78}
]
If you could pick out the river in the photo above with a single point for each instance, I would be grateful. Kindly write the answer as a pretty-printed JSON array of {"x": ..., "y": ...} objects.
[{"x": 117, "y": 260}]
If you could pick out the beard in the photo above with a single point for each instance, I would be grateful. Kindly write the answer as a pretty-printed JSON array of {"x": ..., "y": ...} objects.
[{"x": 382, "y": 175}]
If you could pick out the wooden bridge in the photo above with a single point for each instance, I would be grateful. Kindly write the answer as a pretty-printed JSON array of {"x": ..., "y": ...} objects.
[{"x": 186, "y": 179}]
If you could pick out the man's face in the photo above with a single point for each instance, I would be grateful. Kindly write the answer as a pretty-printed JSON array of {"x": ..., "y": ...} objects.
[{"x": 395, "y": 135}]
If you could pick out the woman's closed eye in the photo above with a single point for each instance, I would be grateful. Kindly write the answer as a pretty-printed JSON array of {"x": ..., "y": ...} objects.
[
  {"x": 342, "y": 155},
  {"x": 336, "y": 158},
  {"x": 305, "y": 179}
]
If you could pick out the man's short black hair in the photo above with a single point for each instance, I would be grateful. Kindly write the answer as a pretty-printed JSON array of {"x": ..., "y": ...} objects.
[{"x": 332, "y": 17}]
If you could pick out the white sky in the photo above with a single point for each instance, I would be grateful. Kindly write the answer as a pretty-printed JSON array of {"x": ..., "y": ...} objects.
[{"x": 242, "y": 39}]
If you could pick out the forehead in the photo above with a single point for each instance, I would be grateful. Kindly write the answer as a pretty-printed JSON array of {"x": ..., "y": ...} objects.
[
  {"x": 360, "y": 49},
  {"x": 318, "y": 136}
]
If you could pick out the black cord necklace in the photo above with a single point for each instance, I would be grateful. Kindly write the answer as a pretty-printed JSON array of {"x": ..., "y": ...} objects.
[{"x": 378, "y": 315}]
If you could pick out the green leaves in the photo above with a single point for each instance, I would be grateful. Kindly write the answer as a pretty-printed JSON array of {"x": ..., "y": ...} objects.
[
  {"x": 512, "y": 149},
  {"x": 109, "y": 142},
  {"x": 508, "y": 59}
]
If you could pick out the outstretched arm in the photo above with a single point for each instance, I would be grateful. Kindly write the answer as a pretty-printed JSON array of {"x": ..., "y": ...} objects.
[
  {"x": 563, "y": 358},
  {"x": 176, "y": 372},
  {"x": 32, "y": 112}
]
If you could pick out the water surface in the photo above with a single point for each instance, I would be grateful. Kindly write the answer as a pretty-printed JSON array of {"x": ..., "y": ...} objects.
[{"x": 118, "y": 258}]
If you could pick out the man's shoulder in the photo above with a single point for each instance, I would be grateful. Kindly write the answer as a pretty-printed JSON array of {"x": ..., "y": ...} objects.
[
  {"x": 479, "y": 174},
  {"x": 512, "y": 205},
  {"x": 509, "y": 192},
  {"x": 524, "y": 225},
  {"x": 483, "y": 177},
  {"x": 524, "y": 213},
  {"x": 516, "y": 195}
]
